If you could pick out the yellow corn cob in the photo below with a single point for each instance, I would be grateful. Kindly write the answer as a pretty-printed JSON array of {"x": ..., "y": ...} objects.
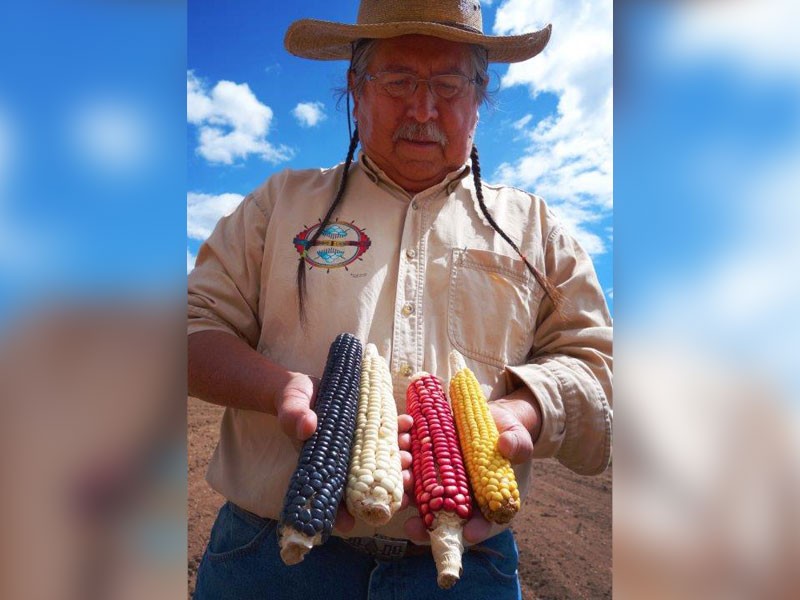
[
  {"x": 493, "y": 482},
  {"x": 375, "y": 481}
]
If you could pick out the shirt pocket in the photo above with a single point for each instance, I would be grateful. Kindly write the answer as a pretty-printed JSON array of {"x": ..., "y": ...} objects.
[{"x": 492, "y": 304}]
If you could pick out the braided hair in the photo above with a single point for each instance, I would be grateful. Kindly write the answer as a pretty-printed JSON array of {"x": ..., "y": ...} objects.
[
  {"x": 301, "y": 270},
  {"x": 556, "y": 297}
]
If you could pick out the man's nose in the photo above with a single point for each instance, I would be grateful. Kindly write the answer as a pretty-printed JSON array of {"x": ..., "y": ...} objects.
[{"x": 422, "y": 103}]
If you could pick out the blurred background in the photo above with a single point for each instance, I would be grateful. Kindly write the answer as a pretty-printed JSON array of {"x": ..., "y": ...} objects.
[
  {"x": 92, "y": 241},
  {"x": 706, "y": 219},
  {"x": 92, "y": 296}
]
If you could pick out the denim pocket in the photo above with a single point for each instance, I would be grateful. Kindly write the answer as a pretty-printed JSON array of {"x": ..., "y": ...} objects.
[
  {"x": 500, "y": 566},
  {"x": 492, "y": 304},
  {"x": 236, "y": 533},
  {"x": 498, "y": 556}
]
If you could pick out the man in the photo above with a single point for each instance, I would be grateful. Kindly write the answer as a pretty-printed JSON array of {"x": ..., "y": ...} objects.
[{"x": 409, "y": 249}]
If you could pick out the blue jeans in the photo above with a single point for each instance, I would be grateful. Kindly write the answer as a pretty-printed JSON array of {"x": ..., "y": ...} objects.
[{"x": 242, "y": 561}]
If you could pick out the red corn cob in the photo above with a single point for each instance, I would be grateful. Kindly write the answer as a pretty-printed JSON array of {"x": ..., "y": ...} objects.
[{"x": 440, "y": 479}]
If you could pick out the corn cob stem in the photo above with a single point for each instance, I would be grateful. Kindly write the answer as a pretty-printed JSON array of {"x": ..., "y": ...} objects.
[
  {"x": 317, "y": 485},
  {"x": 440, "y": 481},
  {"x": 491, "y": 475},
  {"x": 295, "y": 545},
  {"x": 447, "y": 546},
  {"x": 375, "y": 482}
]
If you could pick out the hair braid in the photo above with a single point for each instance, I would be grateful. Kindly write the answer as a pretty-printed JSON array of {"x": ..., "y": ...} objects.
[
  {"x": 301, "y": 270},
  {"x": 555, "y": 296}
]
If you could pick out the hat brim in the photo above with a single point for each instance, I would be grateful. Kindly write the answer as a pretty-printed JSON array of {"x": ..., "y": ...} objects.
[{"x": 325, "y": 40}]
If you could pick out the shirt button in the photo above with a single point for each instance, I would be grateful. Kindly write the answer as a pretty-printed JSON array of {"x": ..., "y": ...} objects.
[
  {"x": 406, "y": 370},
  {"x": 410, "y": 253},
  {"x": 408, "y": 309},
  {"x": 415, "y": 205}
]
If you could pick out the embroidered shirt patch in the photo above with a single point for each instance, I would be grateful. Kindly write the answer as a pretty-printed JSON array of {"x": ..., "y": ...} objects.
[{"x": 339, "y": 245}]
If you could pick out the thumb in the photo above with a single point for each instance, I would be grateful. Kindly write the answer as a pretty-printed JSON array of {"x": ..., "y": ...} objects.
[
  {"x": 515, "y": 445},
  {"x": 295, "y": 416},
  {"x": 515, "y": 442}
]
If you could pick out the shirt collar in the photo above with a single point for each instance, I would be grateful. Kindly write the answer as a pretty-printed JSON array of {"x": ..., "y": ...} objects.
[{"x": 450, "y": 181}]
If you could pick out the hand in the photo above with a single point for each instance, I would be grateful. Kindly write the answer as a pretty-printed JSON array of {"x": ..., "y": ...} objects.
[
  {"x": 294, "y": 407},
  {"x": 404, "y": 423},
  {"x": 516, "y": 416}
]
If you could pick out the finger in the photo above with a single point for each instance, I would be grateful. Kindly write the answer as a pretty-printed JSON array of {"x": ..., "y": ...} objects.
[
  {"x": 408, "y": 482},
  {"x": 405, "y": 501},
  {"x": 476, "y": 529},
  {"x": 315, "y": 381},
  {"x": 404, "y": 441},
  {"x": 405, "y": 459},
  {"x": 515, "y": 445},
  {"x": 344, "y": 520},
  {"x": 404, "y": 423},
  {"x": 295, "y": 416},
  {"x": 307, "y": 425},
  {"x": 515, "y": 442},
  {"x": 415, "y": 530}
]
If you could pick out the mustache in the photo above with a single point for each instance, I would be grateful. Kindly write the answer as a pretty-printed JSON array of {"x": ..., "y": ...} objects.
[{"x": 420, "y": 132}]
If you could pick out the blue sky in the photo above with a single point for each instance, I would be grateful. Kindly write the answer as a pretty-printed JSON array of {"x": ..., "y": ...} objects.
[
  {"x": 255, "y": 109},
  {"x": 707, "y": 152},
  {"x": 92, "y": 152}
]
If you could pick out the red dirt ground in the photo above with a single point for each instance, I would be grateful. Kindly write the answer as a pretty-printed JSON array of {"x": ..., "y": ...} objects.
[{"x": 563, "y": 530}]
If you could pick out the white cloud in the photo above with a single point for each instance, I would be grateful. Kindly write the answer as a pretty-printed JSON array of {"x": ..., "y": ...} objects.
[
  {"x": 309, "y": 114},
  {"x": 232, "y": 123},
  {"x": 569, "y": 157},
  {"x": 204, "y": 210},
  {"x": 521, "y": 123},
  {"x": 576, "y": 218},
  {"x": 190, "y": 260},
  {"x": 741, "y": 298},
  {"x": 112, "y": 135},
  {"x": 758, "y": 34}
]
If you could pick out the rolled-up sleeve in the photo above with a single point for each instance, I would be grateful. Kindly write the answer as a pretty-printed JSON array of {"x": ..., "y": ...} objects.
[
  {"x": 224, "y": 285},
  {"x": 569, "y": 370}
]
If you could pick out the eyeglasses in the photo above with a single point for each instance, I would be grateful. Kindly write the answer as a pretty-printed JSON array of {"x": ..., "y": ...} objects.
[{"x": 403, "y": 85}]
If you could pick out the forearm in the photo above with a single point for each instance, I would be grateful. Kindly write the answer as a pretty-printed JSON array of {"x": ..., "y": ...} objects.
[{"x": 224, "y": 370}]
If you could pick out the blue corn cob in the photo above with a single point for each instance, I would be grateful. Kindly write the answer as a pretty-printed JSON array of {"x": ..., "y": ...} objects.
[{"x": 318, "y": 483}]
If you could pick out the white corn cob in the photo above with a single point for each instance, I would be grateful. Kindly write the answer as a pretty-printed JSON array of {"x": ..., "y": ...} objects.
[{"x": 375, "y": 481}]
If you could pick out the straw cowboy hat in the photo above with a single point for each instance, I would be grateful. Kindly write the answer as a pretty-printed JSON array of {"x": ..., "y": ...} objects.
[{"x": 454, "y": 20}]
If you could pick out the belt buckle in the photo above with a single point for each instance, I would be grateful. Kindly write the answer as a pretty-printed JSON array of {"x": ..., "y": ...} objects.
[{"x": 381, "y": 546}]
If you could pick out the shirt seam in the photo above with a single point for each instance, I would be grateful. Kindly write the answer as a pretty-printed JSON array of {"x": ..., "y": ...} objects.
[
  {"x": 519, "y": 277},
  {"x": 257, "y": 201},
  {"x": 198, "y": 311}
]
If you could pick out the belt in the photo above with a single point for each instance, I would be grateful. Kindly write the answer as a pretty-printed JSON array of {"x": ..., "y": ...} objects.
[
  {"x": 382, "y": 547},
  {"x": 387, "y": 548}
]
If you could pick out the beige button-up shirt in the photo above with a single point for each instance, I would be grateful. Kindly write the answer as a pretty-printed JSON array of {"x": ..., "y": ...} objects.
[{"x": 417, "y": 275}]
